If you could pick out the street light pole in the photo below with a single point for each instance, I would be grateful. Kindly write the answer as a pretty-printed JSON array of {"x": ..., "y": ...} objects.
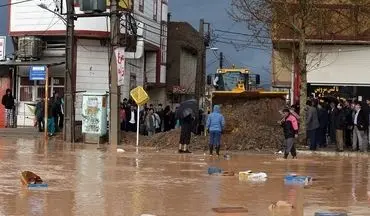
[{"x": 69, "y": 117}]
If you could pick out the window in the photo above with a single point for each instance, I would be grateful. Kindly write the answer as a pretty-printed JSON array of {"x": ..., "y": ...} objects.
[
  {"x": 30, "y": 90},
  {"x": 25, "y": 89},
  {"x": 155, "y": 9},
  {"x": 141, "y": 5}
]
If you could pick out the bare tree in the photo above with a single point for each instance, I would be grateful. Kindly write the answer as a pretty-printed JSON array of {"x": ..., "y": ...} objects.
[{"x": 295, "y": 24}]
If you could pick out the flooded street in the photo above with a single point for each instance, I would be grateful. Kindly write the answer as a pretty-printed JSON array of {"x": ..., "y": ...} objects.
[{"x": 86, "y": 181}]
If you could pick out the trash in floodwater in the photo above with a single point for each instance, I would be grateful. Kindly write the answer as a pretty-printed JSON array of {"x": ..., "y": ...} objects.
[
  {"x": 281, "y": 208},
  {"x": 227, "y": 173},
  {"x": 214, "y": 170},
  {"x": 280, "y": 205},
  {"x": 31, "y": 180},
  {"x": 293, "y": 179},
  {"x": 330, "y": 214},
  {"x": 251, "y": 176},
  {"x": 219, "y": 171},
  {"x": 227, "y": 156},
  {"x": 230, "y": 210},
  {"x": 120, "y": 150}
]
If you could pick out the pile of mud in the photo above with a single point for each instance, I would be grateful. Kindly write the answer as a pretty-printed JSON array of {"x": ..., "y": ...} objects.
[{"x": 251, "y": 125}]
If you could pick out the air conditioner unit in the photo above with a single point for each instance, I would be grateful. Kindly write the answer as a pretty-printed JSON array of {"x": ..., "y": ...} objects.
[
  {"x": 29, "y": 48},
  {"x": 91, "y": 6}
]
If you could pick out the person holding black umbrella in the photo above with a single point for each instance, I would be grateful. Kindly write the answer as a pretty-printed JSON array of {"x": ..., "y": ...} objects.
[
  {"x": 185, "y": 136},
  {"x": 186, "y": 114}
]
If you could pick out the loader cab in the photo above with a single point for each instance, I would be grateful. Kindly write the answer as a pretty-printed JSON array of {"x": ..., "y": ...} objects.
[{"x": 231, "y": 80}]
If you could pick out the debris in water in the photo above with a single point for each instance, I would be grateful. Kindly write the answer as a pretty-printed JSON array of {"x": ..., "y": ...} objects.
[
  {"x": 294, "y": 179},
  {"x": 281, "y": 206},
  {"x": 251, "y": 176},
  {"x": 31, "y": 180},
  {"x": 330, "y": 214},
  {"x": 120, "y": 150}
]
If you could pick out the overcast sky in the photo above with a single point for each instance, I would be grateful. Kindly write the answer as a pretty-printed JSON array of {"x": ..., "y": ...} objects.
[{"x": 214, "y": 12}]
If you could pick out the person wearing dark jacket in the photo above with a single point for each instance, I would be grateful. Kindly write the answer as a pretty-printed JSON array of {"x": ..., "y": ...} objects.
[
  {"x": 340, "y": 126},
  {"x": 332, "y": 113},
  {"x": 290, "y": 128},
  {"x": 8, "y": 102},
  {"x": 39, "y": 113},
  {"x": 349, "y": 124},
  {"x": 312, "y": 124},
  {"x": 323, "y": 121},
  {"x": 360, "y": 122},
  {"x": 185, "y": 136},
  {"x": 56, "y": 110},
  {"x": 167, "y": 118}
]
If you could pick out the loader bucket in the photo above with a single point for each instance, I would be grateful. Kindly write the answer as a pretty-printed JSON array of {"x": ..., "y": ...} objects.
[{"x": 229, "y": 98}]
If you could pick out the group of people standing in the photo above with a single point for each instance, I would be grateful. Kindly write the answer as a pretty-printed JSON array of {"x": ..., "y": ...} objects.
[
  {"x": 55, "y": 114},
  {"x": 343, "y": 123},
  {"x": 152, "y": 119}
]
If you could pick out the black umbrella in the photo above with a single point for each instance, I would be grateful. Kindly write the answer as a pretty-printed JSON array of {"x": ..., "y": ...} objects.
[{"x": 189, "y": 107}]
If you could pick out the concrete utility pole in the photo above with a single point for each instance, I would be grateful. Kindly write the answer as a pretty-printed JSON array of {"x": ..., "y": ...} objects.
[
  {"x": 221, "y": 60},
  {"x": 114, "y": 97},
  {"x": 69, "y": 117},
  {"x": 200, "y": 67}
]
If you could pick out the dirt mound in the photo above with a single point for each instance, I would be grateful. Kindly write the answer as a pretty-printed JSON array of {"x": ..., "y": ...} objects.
[{"x": 249, "y": 126}]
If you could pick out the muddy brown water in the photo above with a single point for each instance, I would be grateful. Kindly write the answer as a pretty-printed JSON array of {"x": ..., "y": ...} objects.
[{"x": 85, "y": 181}]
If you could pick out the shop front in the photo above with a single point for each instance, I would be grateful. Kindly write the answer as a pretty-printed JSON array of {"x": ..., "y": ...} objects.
[{"x": 27, "y": 92}]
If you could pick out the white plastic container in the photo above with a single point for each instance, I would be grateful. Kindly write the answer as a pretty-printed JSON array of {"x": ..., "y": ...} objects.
[{"x": 251, "y": 176}]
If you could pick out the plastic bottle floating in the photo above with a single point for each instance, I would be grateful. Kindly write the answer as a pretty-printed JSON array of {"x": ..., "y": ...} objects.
[
  {"x": 330, "y": 214},
  {"x": 32, "y": 181},
  {"x": 294, "y": 179},
  {"x": 251, "y": 176}
]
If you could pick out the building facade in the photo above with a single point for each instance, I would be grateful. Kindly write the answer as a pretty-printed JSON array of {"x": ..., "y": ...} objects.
[
  {"x": 185, "y": 48},
  {"x": 337, "y": 53},
  {"x": 91, "y": 50}
]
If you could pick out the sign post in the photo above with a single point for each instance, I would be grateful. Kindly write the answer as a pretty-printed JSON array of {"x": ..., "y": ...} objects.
[
  {"x": 42, "y": 73},
  {"x": 140, "y": 97}
]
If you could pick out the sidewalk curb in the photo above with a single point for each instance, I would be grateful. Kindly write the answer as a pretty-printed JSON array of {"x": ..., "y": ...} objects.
[{"x": 333, "y": 154}]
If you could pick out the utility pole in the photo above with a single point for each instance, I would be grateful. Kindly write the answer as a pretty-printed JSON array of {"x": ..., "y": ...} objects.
[
  {"x": 200, "y": 65},
  {"x": 114, "y": 96},
  {"x": 69, "y": 117},
  {"x": 221, "y": 60}
]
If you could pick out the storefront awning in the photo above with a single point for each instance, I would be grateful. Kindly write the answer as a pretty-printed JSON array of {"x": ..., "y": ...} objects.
[{"x": 47, "y": 62}]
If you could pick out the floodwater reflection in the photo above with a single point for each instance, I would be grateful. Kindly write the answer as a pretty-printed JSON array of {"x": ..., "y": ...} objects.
[{"x": 86, "y": 181}]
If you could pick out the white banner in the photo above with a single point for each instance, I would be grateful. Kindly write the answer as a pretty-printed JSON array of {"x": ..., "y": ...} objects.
[
  {"x": 2, "y": 48},
  {"x": 120, "y": 59}
]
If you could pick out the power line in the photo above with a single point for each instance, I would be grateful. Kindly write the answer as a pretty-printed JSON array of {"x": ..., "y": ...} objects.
[
  {"x": 14, "y": 3},
  {"x": 239, "y": 33},
  {"x": 242, "y": 45}
]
